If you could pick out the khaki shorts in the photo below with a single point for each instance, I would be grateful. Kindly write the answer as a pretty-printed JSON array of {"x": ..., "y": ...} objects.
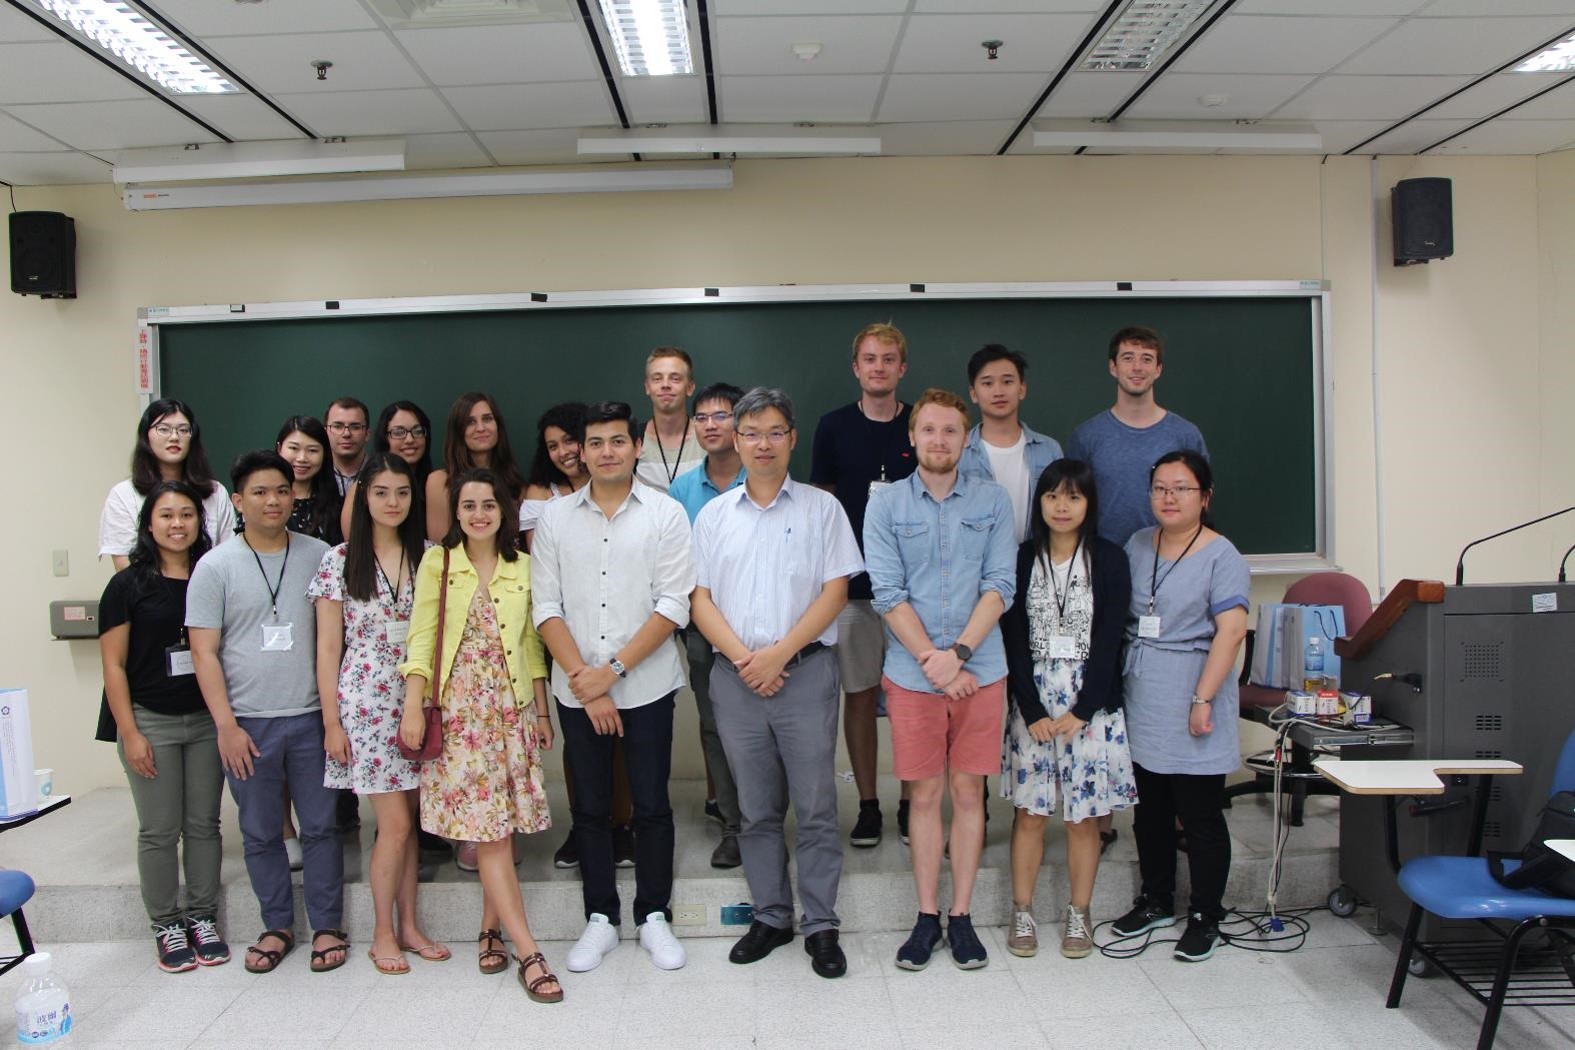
[{"x": 861, "y": 645}]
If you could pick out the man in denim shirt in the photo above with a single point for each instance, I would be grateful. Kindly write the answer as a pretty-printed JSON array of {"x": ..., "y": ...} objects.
[
  {"x": 1001, "y": 447},
  {"x": 941, "y": 554}
]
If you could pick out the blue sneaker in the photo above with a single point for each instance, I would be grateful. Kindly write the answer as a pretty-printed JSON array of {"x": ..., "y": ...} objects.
[
  {"x": 967, "y": 950},
  {"x": 921, "y": 943}
]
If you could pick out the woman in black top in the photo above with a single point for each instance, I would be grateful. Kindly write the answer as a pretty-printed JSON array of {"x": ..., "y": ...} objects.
[
  {"x": 303, "y": 442},
  {"x": 1066, "y": 745},
  {"x": 168, "y": 743}
]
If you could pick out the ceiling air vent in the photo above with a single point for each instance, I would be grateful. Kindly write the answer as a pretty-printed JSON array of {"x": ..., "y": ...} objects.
[{"x": 420, "y": 14}]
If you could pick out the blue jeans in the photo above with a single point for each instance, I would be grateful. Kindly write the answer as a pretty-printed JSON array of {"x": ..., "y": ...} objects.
[{"x": 291, "y": 756}]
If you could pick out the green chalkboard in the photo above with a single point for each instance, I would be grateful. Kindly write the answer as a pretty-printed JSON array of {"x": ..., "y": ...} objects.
[{"x": 1241, "y": 368}]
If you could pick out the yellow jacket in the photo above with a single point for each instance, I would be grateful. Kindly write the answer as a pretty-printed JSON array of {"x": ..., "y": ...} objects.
[{"x": 510, "y": 593}]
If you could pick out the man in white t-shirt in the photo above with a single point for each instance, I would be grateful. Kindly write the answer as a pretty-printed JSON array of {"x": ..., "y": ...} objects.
[{"x": 1000, "y": 447}]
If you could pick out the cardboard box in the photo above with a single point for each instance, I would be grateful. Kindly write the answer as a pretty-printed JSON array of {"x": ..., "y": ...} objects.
[{"x": 18, "y": 793}]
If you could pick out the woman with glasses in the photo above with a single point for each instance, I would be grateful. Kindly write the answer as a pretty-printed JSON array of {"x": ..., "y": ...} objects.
[
  {"x": 168, "y": 448},
  {"x": 403, "y": 429},
  {"x": 1187, "y": 621}
]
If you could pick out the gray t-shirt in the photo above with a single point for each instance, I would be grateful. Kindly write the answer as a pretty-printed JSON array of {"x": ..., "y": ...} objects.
[
  {"x": 229, "y": 592},
  {"x": 1121, "y": 457}
]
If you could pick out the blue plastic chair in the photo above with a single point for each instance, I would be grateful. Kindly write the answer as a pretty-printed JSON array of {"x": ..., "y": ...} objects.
[
  {"x": 1463, "y": 888},
  {"x": 16, "y": 889}
]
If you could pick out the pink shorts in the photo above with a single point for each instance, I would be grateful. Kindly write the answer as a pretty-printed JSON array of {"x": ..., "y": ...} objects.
[{"x": 931, "y": 734}]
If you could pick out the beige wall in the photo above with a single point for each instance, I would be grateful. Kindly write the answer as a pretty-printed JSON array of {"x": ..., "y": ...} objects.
[{"x": 1467, "y": 445}]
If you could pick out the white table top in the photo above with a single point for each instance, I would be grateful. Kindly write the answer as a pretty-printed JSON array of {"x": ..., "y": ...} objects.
[
  {"x": 1406, "y": 776},
  {"x": 1564, "y": 846}
]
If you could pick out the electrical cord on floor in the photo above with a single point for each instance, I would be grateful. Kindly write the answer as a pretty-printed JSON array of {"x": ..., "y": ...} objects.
[{"x": 1253, "y": 931}]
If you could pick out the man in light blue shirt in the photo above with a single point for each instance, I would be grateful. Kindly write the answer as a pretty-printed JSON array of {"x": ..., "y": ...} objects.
[
  {"x": 720, "y": 471},
  {"x": 1001, "y": 447},
  {"x": 941, "y": 555}
]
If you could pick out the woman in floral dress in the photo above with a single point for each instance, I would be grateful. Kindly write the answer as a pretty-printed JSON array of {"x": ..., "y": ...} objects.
[
  {"x": 490, "y": 672},
  {"x": 364, "y": 591},
  {"x": 1066, "y": 739}
]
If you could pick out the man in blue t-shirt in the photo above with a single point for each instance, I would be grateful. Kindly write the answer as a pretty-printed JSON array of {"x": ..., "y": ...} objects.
[{"x": 1122, "y": 443}]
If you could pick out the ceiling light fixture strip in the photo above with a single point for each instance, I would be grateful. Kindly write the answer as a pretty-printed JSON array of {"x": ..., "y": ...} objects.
[
  {"x": 1142, "y": 32},
  {"x": 589, "y": 25},
  {"x": 1055, "y": 82},
  {"x": 125, "y": 33},
  {"x": 651, "y": 37}
]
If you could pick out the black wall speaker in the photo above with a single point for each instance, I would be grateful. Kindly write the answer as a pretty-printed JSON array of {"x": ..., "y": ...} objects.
[
  {"x": 44, "y": 254},
  {"x": 1423, "y": 219}
]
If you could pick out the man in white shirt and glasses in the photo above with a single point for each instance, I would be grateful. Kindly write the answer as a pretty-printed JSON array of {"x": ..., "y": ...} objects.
[
  {"x": 773, "y": 558},
  {"x": 612, "y": 575}
]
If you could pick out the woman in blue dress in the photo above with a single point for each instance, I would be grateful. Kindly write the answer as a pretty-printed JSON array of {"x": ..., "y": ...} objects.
[{"x": 1188, "y": 619}]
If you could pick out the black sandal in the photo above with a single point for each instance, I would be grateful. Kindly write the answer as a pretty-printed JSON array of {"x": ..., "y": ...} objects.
[
  {"x": 491, "y": 960},
  {"x": 537, "y": 959},
  {"x": 270, "y": 958},
  {"x": 320, "y": 955}
]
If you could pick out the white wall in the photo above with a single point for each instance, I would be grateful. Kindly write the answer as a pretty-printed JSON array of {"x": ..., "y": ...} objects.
[{"x": 1466, "y": 440}]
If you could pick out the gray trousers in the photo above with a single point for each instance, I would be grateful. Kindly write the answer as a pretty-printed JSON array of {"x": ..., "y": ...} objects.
[
  {"x": 178, "y": 812},
  {"x": 785, "y": 748},
  {"x": 701, "y": 659}
]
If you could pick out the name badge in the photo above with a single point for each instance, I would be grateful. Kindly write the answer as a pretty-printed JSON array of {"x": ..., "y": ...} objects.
[
  {"x": 276, "y": 638},
  {"x": 177, "y": 661},
  {"x": 876, "y": 486},
  {"x": 398, "y": 631},
  {"x": 1062, "y": 647},
  {"x": 1148, "y": 626}
]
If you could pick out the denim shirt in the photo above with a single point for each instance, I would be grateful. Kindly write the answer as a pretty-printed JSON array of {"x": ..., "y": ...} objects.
[
  {"x": 1041, "y": 450},
  {"x": 941, "y": 558}
]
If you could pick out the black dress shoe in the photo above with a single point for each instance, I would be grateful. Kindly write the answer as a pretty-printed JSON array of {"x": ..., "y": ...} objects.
[
  {"x": 759, "y": 942},
  {"x": 825, "y": 954}
]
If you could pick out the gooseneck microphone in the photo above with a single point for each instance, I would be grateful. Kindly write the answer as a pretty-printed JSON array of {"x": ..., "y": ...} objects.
[
  {"x": 1460, "y": 564},
  {"x": 1563, "y": 560}
]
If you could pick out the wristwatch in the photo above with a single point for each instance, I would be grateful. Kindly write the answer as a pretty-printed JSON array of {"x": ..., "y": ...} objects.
[
  {"x": 618, "y": 668},
  {"x": 1198, "y": 701},
  {"x": 963, "y": 652}
]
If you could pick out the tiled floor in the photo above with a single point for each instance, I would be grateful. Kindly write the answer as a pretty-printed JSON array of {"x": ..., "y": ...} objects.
[{"x": 1326, "y": 996}]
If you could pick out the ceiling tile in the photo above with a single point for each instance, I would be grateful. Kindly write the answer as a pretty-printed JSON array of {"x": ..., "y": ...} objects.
[
  {"x": 1493, "y": 94},
  {"x": 1090, "y": 94},
  {"x": 208, "y": 18},
  {"x": 1341, "y": 135},
  {"x": 524, "y": 107},
  {"x": 1247, "y": 96},
  {"x": 664, "y": 100},
  {"x": 16, "y": 27},
  {"x": 453, "y": 150},
  {"x": 1415, "y": 135},
  {"x": 1513, "y": 136},
  {"x": 1454, "y": 45},
  {"x": 923, "y": 97},
  {"x": 554, "y": 146},
  {"x": 950, "y": 138},
  {"x": 1329, "y": 7},
  {"x": 51, "y": 169},
  {"x": 242, "y": 117},
  {"x": 1367, "y": 98},
  {"x": 852, "y": 44},
  {"x": 59, "y": 72},
  {"x": 502, "y": 54},
  {"x": 951, "y": 43},
  {"x": 1558, "y": 104},
  {"x": 849, "y": 99},
  {"x": 358, "y": 113},
  {"x": 16, "y": 136},
  {"x": 362, "y": 62},
  {"x": 112, "y": 125},
  {"x": 724, "y": 8},
  {"x": 993, "y": 7},
  {"x": 1503, "y": 8},
  {"x": 1264, "y": 44}
]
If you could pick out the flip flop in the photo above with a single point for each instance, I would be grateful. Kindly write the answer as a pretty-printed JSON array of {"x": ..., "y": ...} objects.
[
  {"x": 429, "y": 952},
  {"x": 389, "y": 965},
  {"x": 270, "y": 957},
  {"x": 320, "y": 955}
]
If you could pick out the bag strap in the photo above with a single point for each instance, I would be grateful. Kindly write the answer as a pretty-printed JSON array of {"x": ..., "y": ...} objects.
[
  {"x": 437, "y": 693},
  {"x": 1537, "y": 869}
]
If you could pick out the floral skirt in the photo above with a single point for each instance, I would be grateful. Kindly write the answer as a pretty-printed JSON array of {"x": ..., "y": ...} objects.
[{"x": 1086, "y": 775}]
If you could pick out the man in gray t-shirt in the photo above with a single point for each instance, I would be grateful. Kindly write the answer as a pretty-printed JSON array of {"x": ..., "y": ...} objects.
[{"x": 254, "y": 648}]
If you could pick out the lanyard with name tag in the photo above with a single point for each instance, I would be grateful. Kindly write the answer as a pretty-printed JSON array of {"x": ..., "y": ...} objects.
[
  {"x": 1148, "y": 626},
  {"x": 177, "y": 658},
  {"x": 276, "y": 637},
  {"x": 398, "y": 630}
]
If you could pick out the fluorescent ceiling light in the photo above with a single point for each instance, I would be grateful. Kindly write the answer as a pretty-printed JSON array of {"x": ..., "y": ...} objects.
[
  {"x": 738, "y": 140},
  {"x": 258, "y": 160},
  {"x": 415, "y": 14},
  {"x": 1559, "y": 58},
  {"x": 1142, "y": 32},
  {"x": 496, "y": 184},
  {"x": 650, "y": 36},
  {"x": 125, "y": 33},
  {"x": 1176, "y": 135}
]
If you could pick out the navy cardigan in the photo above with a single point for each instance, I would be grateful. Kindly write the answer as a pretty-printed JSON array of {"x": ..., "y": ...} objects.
[{"x": 1111, "y": 579}]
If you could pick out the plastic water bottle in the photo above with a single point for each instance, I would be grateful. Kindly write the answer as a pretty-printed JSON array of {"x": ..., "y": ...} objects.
[
  {"x": 1312, "y": 679},
  {"x": 43, "y": 1006}
]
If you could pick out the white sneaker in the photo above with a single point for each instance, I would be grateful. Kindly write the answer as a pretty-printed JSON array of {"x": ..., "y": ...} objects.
[
  {"x": 599, "y": 938},
  {"x": 657, "y": 938},
  {"x": 292, "y": 850}
]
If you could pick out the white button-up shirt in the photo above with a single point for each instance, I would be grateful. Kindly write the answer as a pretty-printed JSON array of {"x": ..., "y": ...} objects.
[
  {"x": 765, "y": 566},
  {"x": 604, "y": 578}
]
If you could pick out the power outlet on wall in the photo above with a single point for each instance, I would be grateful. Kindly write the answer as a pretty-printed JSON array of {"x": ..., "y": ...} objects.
[{"x": 689, "y": 915}]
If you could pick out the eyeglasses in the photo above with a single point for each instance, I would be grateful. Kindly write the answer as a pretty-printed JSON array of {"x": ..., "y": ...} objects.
[
  {"x": 346, "y": 428},
  {"x": 164, "y": 430},
  {"x": 1180, "y": 491},
  {"x": 718, "y": 418},
  {"x": 400, "y": 433},
  {"x": 755, "y": 437}
]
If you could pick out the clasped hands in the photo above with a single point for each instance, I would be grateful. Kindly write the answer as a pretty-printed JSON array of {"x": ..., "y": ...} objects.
[{"x": 944, "y": 670}]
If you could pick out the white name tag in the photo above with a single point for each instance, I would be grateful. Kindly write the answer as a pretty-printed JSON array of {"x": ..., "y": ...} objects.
[
  {"x": 876, "y": 486},
  {"x": 1062, "y": 647},
  {"x": 1148, "y": 626},
  {"x": 398, "y": 631},
  {"x": 177, "y": 661},
  {"x": 276, "y": 638}
]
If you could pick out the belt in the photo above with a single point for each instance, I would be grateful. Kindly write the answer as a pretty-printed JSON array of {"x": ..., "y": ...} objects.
[{"x": 793, "y": 661}]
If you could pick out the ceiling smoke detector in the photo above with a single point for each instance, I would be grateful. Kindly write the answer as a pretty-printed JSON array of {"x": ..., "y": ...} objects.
[{"x": 807, "y": 51}]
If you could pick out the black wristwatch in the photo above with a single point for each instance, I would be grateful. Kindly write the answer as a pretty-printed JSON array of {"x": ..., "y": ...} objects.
[{"x": 963, "y": 652}]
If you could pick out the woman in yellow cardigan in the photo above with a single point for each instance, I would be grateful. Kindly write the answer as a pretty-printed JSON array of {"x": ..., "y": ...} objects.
[{"x": 491, "y": 674}]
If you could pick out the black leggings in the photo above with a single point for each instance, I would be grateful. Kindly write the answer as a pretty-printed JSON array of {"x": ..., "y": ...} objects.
[{"x": 1199, "y": 803}]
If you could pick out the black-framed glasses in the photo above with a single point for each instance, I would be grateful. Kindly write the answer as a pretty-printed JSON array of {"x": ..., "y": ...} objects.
[{"x": 401, "y": 433}]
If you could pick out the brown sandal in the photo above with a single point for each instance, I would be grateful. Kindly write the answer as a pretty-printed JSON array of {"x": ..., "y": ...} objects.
[
  {"x": 320, "y": 955},
  {"x": 270, "y": 958},
  {"x": 491, "y": 960},
  {"x": 547, "y": 976}
]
